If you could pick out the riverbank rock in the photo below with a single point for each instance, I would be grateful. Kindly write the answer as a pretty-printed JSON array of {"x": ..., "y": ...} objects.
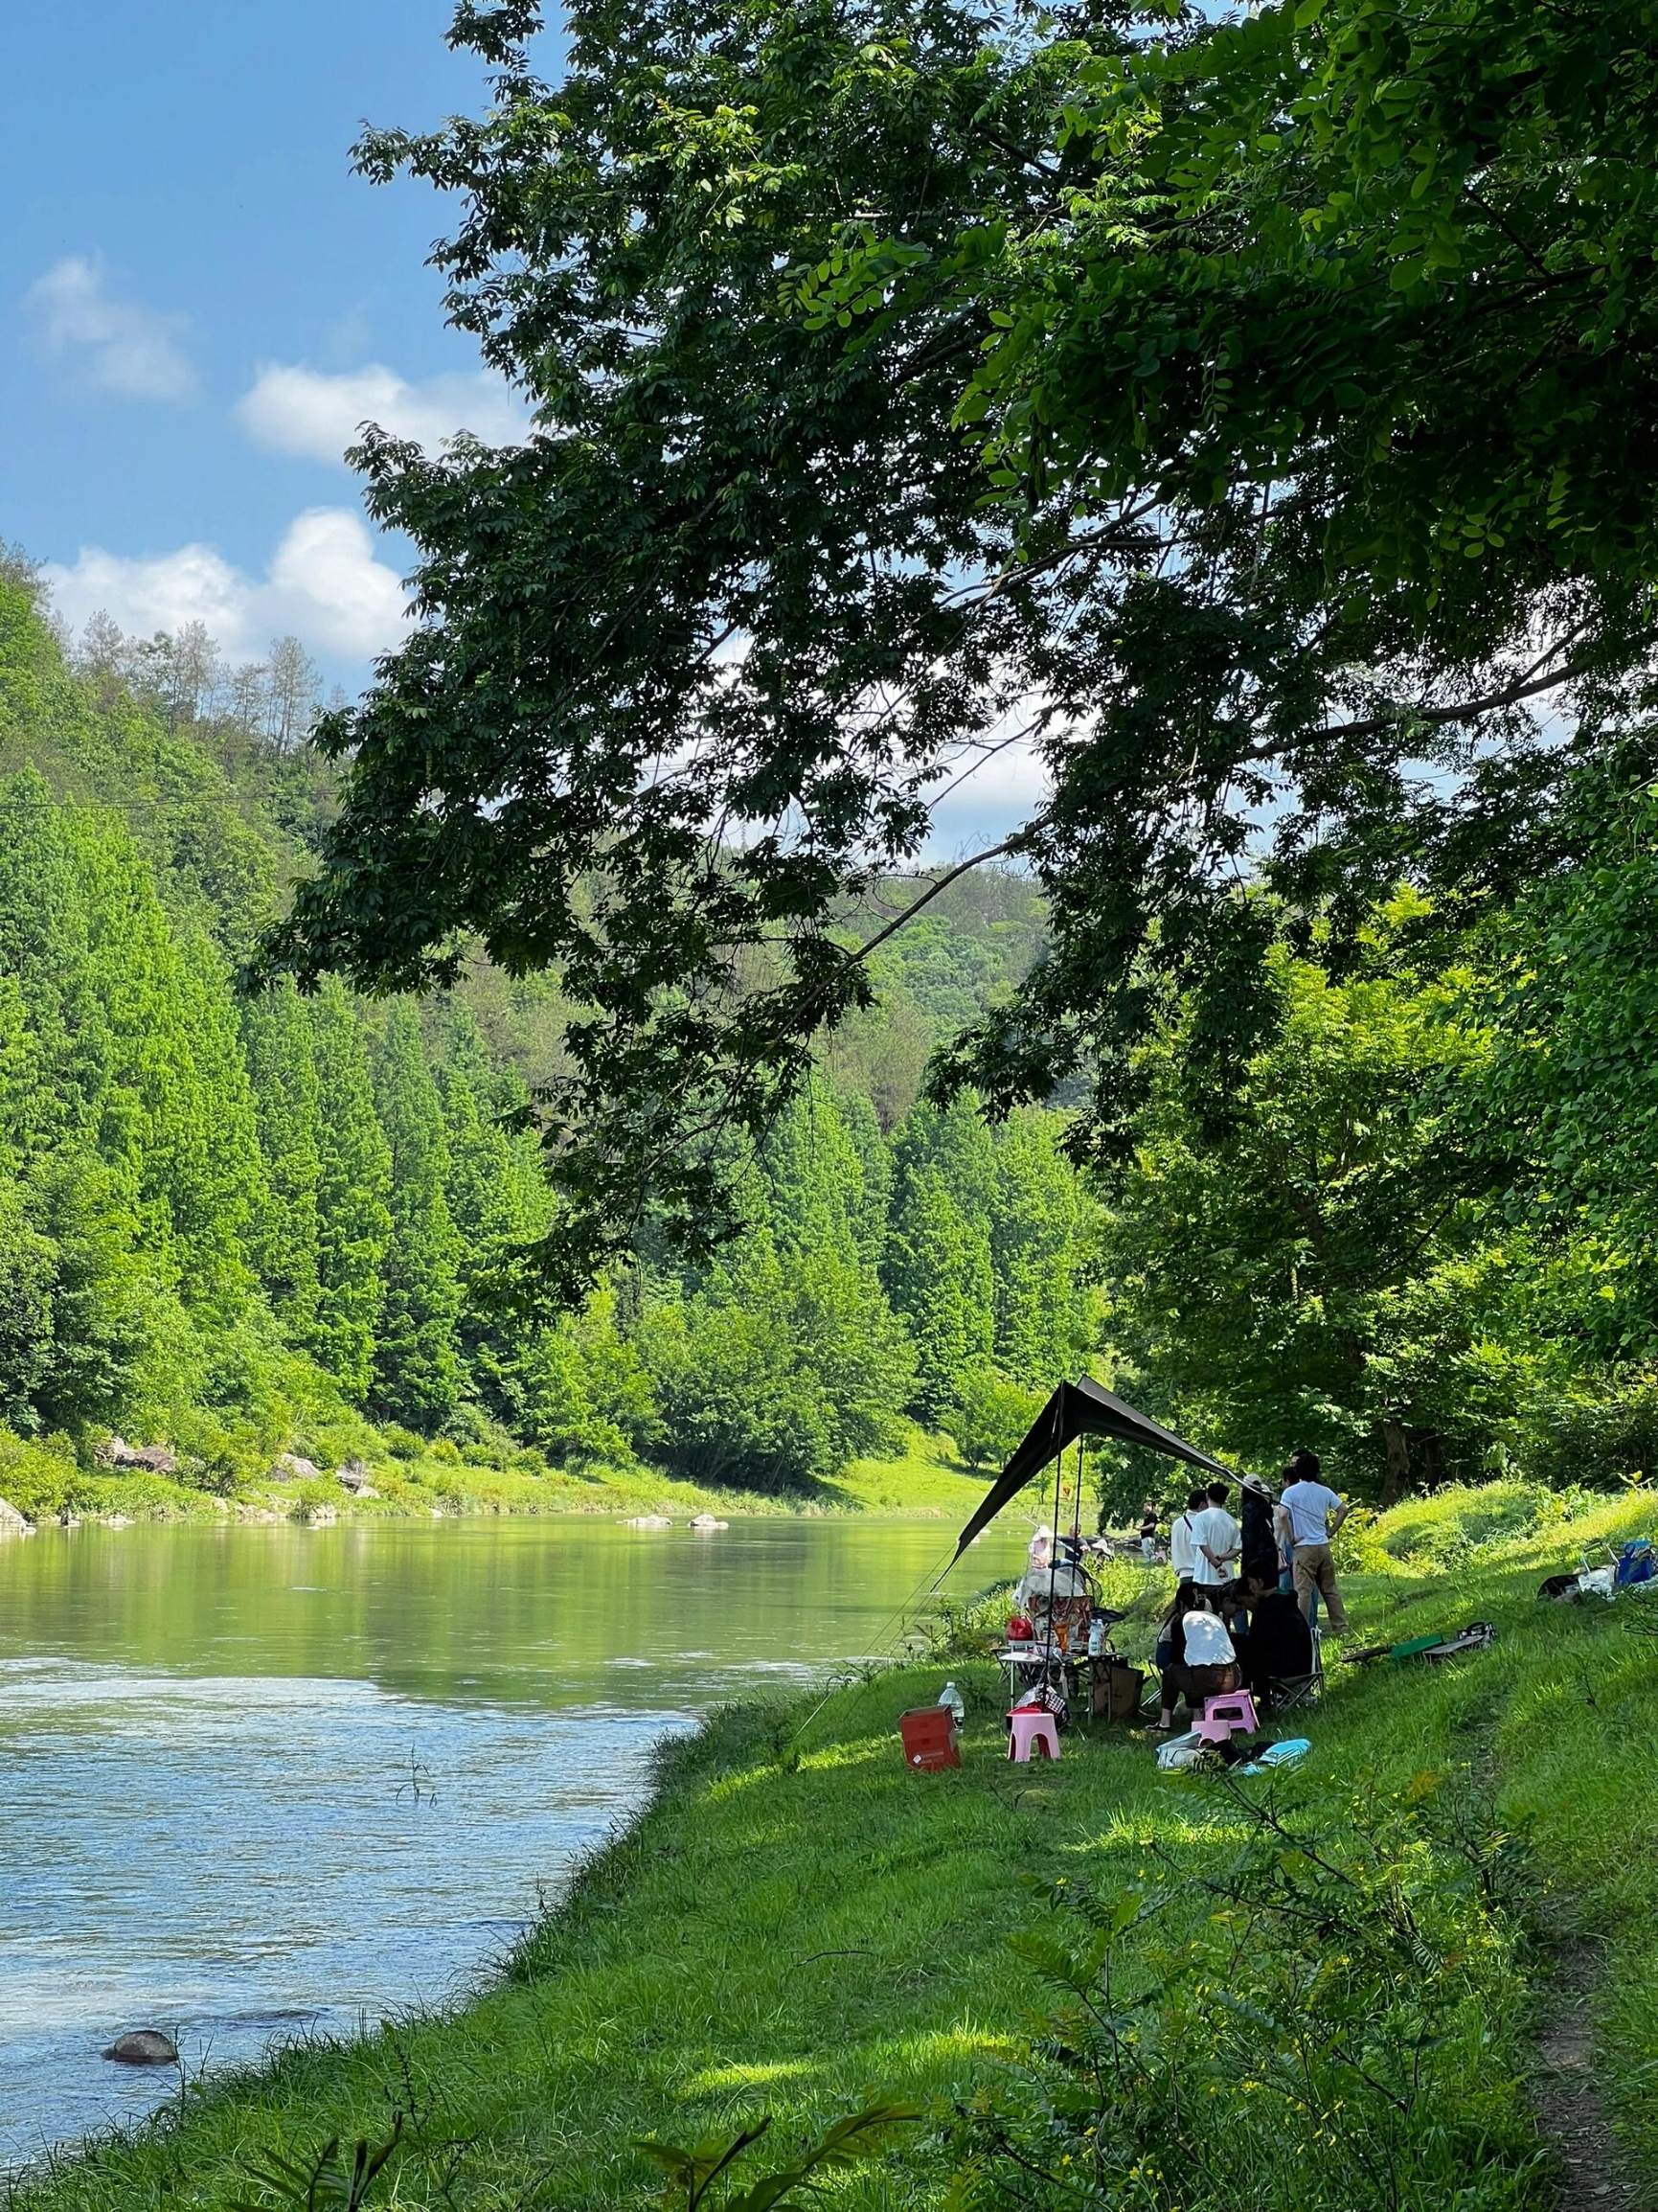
[
  {"x": 354, "y": 1477},
  {"x": 144, "y": 1458},
  {"x": 648, "y": 1521},
  {"x": 289, "y": 1467},
  {"x": 12, "y": 1522},
  {"x": 144, "y": 2047},
  {"x": 705, "y": 1524}
]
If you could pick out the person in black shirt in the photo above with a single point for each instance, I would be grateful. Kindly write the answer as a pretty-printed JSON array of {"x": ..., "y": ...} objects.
[
  {"x": 1148, "y": 1531},
  {"x": 1279, "y": 1645},
  {"x": 1257, "y": 1562}
]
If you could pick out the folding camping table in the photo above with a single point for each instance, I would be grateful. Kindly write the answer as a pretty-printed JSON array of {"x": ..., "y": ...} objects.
[{"x": 1026, "y": 1666}]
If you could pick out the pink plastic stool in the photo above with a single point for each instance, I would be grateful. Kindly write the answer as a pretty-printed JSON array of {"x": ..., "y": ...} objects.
[
  {"x": 1233, "y": 1709},
  {"x": 1032, "y": 1730}
]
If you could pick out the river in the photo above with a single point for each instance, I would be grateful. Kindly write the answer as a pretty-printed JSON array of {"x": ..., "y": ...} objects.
[{"x": 256, "y": 1779}]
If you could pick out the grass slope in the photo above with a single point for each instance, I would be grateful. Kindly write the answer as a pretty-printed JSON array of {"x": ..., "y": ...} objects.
[
  {"x": 797, "y": 1919},
  {"x": 47, "y": 1483}
]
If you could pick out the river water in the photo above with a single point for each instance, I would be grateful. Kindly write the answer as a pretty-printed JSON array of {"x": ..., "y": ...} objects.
[{"x": 253, "y": 1779}]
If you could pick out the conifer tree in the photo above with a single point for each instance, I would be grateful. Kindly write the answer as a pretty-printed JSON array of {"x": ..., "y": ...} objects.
[
  {"x": 815, "y": 1178},
  {"x": 1036, "y": 1232},
  {"x": 44, "y": 947},
  {"x": 875, "y": 1161},
  {"x": 953, "y": 1143},
  {"x": 417, "y": 1373},
  {"x": 353, "y": 1193},
  {"x": 177, "y": 1119},
  {"x": 276, "y": 1039},
  {"x": 938, "y": 1274}
]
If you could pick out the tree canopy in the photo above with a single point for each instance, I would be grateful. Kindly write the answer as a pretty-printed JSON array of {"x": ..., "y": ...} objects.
[{"x": 1255, "y": 414}]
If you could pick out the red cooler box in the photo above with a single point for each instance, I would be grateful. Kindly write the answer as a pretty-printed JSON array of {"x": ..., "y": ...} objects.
[{"x": 929, "y": 1734}]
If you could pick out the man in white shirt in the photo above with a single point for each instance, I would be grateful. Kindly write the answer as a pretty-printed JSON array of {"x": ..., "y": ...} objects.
[
  {"x": 1218, "y": 1539},
  {"x": 1309, "y": 1513},
  {"x": 1182, "y": 1552}
]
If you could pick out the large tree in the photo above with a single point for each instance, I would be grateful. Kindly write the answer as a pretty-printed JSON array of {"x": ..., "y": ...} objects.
[{"x": 1259, "y": 413}]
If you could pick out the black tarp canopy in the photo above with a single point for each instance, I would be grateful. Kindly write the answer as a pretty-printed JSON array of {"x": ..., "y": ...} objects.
[{"x": 1080, "y": 1410}]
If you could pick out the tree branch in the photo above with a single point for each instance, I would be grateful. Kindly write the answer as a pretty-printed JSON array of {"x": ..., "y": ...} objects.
[
  {"x": 950, "y": 875},
  {"x": 1522, "y": 688}
]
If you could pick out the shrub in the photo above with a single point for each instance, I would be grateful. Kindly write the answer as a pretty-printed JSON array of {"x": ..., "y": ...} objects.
[
  {"x": 991, "y": 1416},
  {"x": 1339, "y": 2029}
]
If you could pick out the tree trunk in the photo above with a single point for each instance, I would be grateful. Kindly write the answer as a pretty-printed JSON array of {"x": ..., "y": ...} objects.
[
  {"x": 1430, "y": 1456},
  {"x": 1399, "y": 1473}
]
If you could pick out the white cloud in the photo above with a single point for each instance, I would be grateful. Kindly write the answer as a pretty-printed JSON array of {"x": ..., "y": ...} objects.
[
  {"x": 984, "y": 799},
  {"x": 120, "y": 345},
  {"x": 304, "y": 411},
  {"x": 324, "y": 585}
]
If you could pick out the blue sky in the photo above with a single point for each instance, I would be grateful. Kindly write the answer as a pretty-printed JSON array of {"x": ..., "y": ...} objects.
[
  {"x": 199, "y": 302},
  {"x": 196, "y": 294}
]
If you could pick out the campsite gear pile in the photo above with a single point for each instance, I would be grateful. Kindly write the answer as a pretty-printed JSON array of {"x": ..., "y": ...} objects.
[
  {"x": 1224, "y": 1736},
  {"x": 1633, "y": 1567}
]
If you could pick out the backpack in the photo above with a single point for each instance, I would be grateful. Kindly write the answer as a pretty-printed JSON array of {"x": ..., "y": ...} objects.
[{"x": 1635, "y": 1564}]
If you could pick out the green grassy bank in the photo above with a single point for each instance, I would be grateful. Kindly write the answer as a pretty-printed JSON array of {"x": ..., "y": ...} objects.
[
  {"x": 799, "y": 1920},
  {"x": 412, "y": 1480}
]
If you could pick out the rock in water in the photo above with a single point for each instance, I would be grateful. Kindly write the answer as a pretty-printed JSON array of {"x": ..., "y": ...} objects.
[
  {"x": 144, "y": 2047},
  {"x": 648, "y": 1520},
  {"x": 12, "y": 1521}
]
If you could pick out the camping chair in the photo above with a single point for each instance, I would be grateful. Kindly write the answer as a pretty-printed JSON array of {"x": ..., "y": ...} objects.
[{"x": 1286, "y": 1693}]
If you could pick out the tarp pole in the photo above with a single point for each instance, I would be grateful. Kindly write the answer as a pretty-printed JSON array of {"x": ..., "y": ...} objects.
[{"x": 1054, "y": 1565}]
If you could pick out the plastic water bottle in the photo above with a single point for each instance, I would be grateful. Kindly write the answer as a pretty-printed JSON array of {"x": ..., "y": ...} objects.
[
  {"x": 1095, "y": 1637},
  {"x": 951, "y": 1695}
]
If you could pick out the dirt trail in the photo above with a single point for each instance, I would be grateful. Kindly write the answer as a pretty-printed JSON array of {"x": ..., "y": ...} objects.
[{"x": 1566, "y": 2093}]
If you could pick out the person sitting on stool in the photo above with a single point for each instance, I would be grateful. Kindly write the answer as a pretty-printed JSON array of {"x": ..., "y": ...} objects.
[{"x": 1201, "y": 1661}]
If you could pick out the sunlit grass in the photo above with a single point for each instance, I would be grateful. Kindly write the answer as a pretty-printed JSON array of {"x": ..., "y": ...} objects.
[{"x": 802, "y": 1918}]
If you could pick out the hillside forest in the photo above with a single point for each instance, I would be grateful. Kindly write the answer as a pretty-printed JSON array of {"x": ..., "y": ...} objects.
[
  {"x": 240, "y": 1221},
  {"x": 1409, "y": 1219}
]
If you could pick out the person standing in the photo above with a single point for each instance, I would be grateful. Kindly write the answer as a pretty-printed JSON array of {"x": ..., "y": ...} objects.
[
  {"x": 1148, "y": 1532},
  {"x": 1310, "y": 1515},
  {"x": 1182, "y": 1552},
  {"x": 1257, "y": 1553},
  {"x": 1217, "y": 1539}
]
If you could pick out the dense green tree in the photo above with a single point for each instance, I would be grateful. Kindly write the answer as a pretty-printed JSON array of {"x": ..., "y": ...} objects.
[
  {"x": 353, "y": 1193},
  {"x": 419, "y": 1377},
  {"x": 53, "y": 1092},
  {"x": 736, "y": 1405},
  {"x": 1307, "y": 1253},
  {"x": 781, "y": 1367},
  {"x": 938, "y": 1275},
  {"x": 1252, "y": 411},
  {"x": 28, "y": 1279},
  {"x": 1037, "y": 1231},
  {"x": 814, "y": 1177},
  {"x": 952, "y": 1143},
  {"x": 1571, "y": 989},
  {"x": 989, "y": 1416},
  {"x": 122, "y": 1347},
  {"x": 875, "y": 1177},
  {"x": 284, "y": 1239}
]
